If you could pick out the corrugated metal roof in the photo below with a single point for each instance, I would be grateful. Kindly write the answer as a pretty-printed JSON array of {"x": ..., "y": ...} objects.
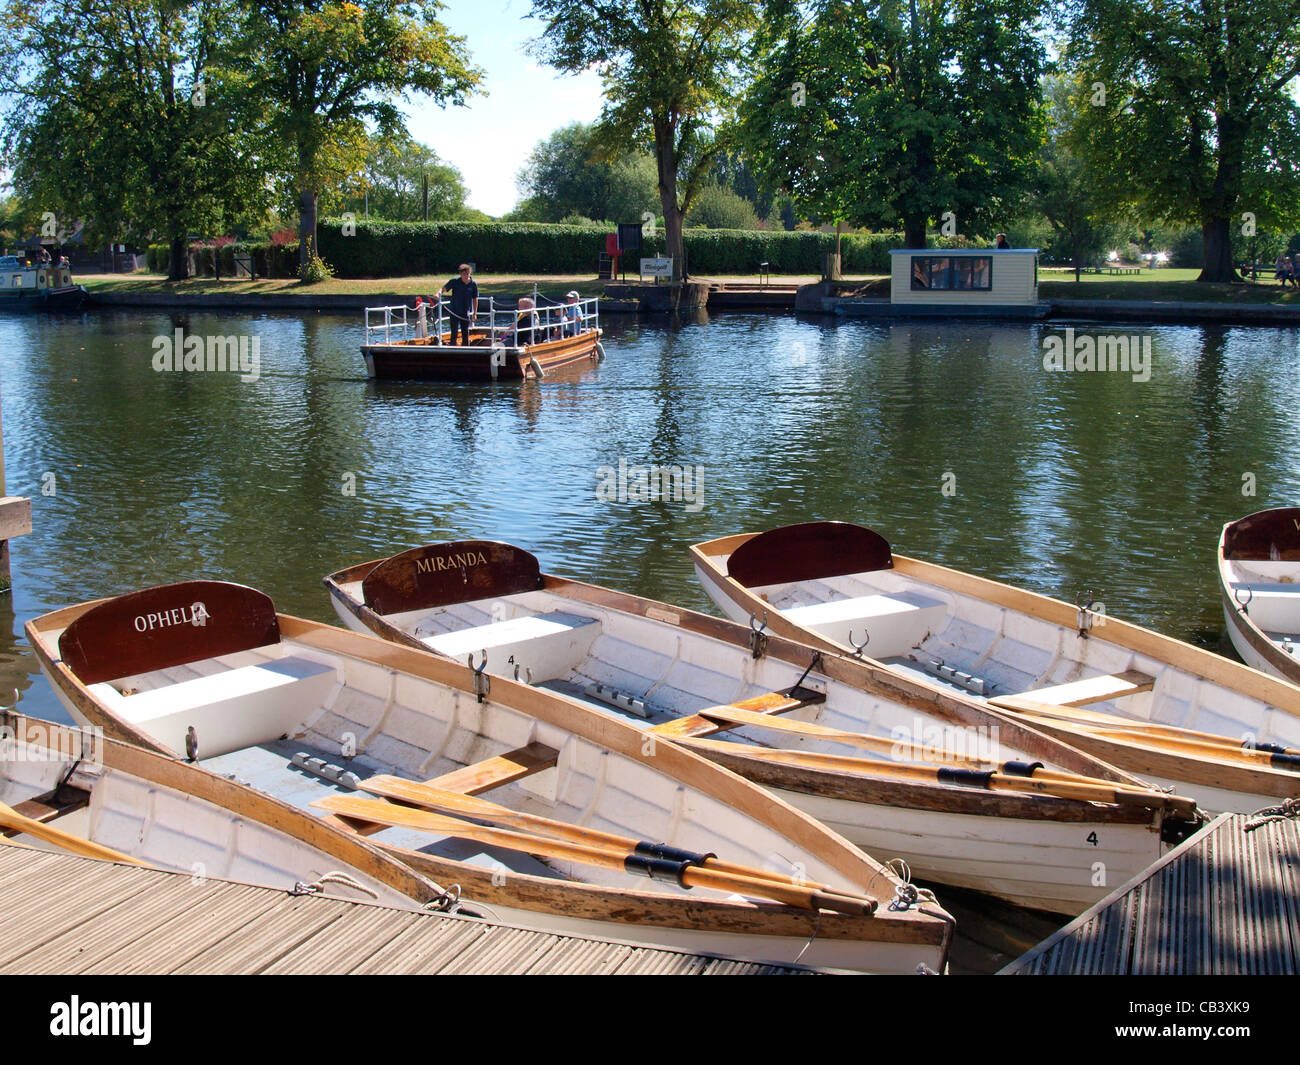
[{"x": 1226, "y": 901}]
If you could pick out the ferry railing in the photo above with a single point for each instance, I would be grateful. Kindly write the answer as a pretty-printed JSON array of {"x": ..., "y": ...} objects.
[
  {"x": 550, "y": 321},
  {"x": 391, "y": 323}
]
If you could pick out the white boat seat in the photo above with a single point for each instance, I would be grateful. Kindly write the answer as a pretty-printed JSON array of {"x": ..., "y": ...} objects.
[
  {"x": 1092, "y": 689},
  {"x": 895, "y": 623},
  {"x": 230, "y": 710},
  {"x": 1272, "y": 606},
  {"x": 549, "y": 645}
]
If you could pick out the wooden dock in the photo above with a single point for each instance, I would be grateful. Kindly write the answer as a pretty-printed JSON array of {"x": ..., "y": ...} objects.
[
  {"x": 1226, "y": 901},
  {"x": 69, "y": 915}
]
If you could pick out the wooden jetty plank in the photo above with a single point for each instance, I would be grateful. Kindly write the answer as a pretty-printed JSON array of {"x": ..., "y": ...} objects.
[{"x": 112, "y": 919}]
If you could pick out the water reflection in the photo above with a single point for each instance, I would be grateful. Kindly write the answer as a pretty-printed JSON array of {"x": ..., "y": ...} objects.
[{"x": 950, "y": 438}]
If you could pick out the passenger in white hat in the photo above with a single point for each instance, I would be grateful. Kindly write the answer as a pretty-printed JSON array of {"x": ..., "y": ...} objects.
[{"x": 572, "y": 315}]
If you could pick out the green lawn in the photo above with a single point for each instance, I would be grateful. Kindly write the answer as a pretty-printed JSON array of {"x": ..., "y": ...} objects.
[
  {"x": 1166, "y": 283},
  {"x": 1163, "y": 285}
]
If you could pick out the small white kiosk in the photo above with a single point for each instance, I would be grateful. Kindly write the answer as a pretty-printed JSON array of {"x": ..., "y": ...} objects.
[{"x": 964, "y": 277}]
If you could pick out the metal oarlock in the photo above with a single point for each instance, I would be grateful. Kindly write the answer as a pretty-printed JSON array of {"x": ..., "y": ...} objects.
[
  {"x": 1243, "y": 603},
  {"x": 527, "y": 677},
  {"x": 859, "y": 648},
  {"x": 481, "y": 680},
  {"x": 758, "y": 636},
  {"x": 1085, "y": 617}
]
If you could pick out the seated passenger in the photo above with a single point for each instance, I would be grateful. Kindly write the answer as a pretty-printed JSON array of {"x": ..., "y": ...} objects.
[{"x": 572, "y": 315}]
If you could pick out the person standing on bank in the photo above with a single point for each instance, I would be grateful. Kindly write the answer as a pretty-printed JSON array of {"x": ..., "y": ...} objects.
[
  {"x": 1002, "y": 244},
  {"x": 464, "y": 303}
]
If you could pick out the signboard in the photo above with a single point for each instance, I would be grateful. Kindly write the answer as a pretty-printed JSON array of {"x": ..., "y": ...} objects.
[
  {"x": 657, "y": 268},
  {"x": 629, "y": 236}
]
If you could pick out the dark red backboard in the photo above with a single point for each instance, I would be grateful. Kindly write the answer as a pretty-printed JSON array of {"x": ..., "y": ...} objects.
[
  {"x": 454, "y": 572},
  {"x": 167, "y": 626},
  {"x": 808, "y": 552}
]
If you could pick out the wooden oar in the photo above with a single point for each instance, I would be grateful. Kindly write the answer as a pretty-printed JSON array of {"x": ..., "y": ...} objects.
[
  {"x": 387, "y": 813},
  {"x": 12, "y": 819},
  {"x": 1087, "y": 791},
  {"x": 417, "y": 794},
  {"x": 1163, "y": 736},
  {"x": 734, "y": 715},
  {"x": 731, "y": 715},
  {"x": 1222, "y": 750}
]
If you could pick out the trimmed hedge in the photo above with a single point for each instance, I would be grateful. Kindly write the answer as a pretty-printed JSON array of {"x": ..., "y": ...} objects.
[
  {"x": 403, "y": 249},
  {"x": 394, "y": 249},
  {"x": 269, "y": 260}
]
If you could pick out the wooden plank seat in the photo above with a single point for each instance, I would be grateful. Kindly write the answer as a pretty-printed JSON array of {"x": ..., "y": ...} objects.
[
  {"x": 769, "y": 703},
  {"x": 45, "y": 808},
  {"x": 895, "y": 623},
  {"x": 549, "y": 645},
  {"x": 497, "y": 771},
  {"x": 1081, "y": 692},
  {"x": 475, "y": 779},
  {"x": 228, "y": 710}
]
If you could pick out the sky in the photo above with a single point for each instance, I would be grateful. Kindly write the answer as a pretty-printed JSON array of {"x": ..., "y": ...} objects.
[{"x": 488, "y": 140}]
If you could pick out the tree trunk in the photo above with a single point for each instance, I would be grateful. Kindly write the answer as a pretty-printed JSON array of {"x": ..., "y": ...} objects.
[
  {"x": 306, "y": 226},
  {"x": 666, "y": 161},
  {"x": 914, "y": 231},
  {"x": 179, "y": 267},
  {"x": 1216, "y": 262}
]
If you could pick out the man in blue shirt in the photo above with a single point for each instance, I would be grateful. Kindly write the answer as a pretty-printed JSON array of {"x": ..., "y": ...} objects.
[{"x": 464, "y": 302}]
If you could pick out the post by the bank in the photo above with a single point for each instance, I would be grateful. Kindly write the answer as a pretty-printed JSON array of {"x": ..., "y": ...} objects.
[{"x": 15, "y": 520}]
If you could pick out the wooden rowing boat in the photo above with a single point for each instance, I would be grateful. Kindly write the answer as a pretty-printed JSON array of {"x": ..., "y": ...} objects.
[
  {"x": 1259, "y": 578},
  {"x": 535, "y": 807},
  {"x": 900, "y": 769},
  {"x": 76, "y": 790},
  {"x": 1179, "y": 716}
]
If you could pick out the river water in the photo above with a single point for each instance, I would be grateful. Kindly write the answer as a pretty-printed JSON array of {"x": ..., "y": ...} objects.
[{"x": 949, "y": 438}]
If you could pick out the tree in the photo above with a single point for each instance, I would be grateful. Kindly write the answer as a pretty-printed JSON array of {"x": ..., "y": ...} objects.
[
  {"x": 392, "y": 181},
  {"x": 1186, "y": 110},
  {"x": 118, "y": 115},
  {"x": 670, "y": 71},
  {"x": 720, "y": 208},
  {"x": 1065, "y": 190},
  {"x": 571, "y": 172},
  {"x": 896, "y": 114},
  {"x": 319, "y": 70}
]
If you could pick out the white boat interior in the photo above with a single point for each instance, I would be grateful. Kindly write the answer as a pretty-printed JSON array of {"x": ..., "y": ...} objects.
[
  {"x": 81, "y": 794},
  {"x": 928, "y": 622}
]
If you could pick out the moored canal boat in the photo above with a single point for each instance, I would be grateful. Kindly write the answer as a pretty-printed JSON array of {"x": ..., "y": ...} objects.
[
  {"x": 28, "y": 286},
  {"x": 544, "y": 812},
  {"x": 967, "y": 796}
]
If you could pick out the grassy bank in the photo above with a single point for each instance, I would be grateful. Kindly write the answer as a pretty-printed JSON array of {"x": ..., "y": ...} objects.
[{"x": 1164, "y": 285}]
